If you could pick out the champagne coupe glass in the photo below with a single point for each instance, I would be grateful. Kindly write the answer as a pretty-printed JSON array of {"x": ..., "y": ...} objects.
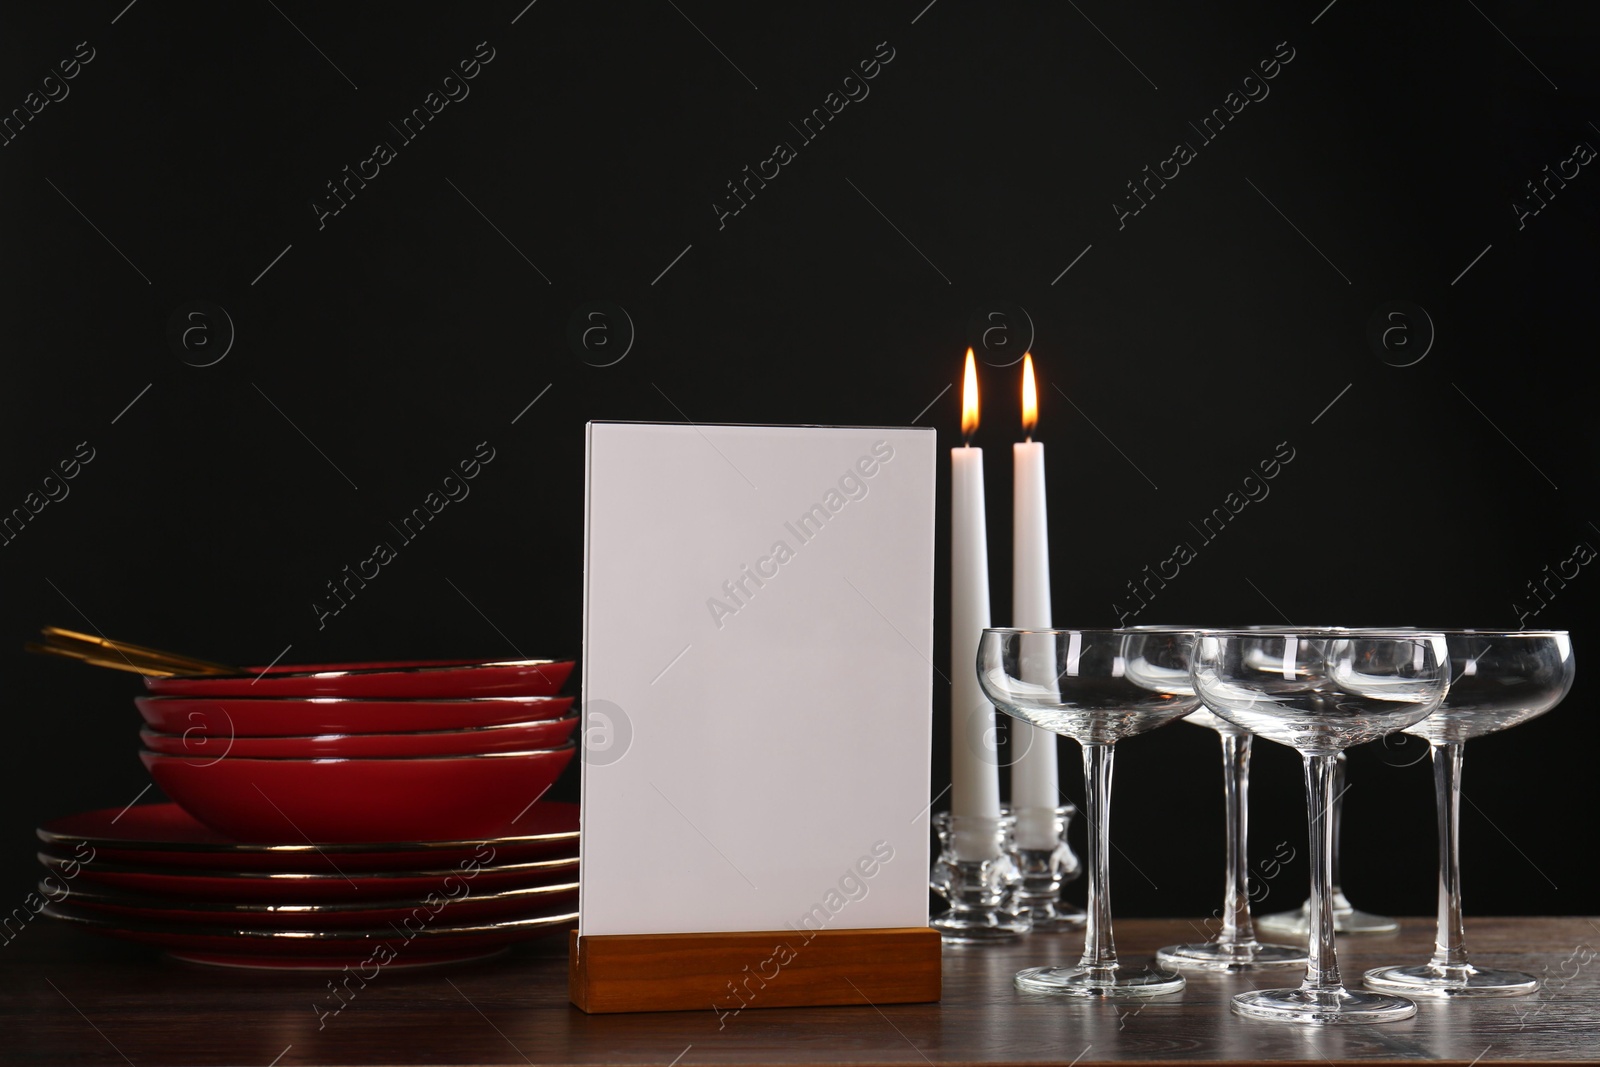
[
  {"x": 1347, "y": 919},
  {"x": 1502, "y": 679},
  {"x": 1321, "y": 693},
  {"x": 1104, "y": 685},
  {"x": 1235, "y": 947}
]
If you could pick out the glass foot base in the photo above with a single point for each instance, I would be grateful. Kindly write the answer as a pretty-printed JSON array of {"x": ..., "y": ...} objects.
[
  {"x": 1426, "y": 980},
  {"x": 1214, "y": 956},
  {"x": 1337, "y": 1006},
  {"x": 1082, "y": 982},
  {"x": 1297, "y": 924},
  {"x": 979, "y": 927}
]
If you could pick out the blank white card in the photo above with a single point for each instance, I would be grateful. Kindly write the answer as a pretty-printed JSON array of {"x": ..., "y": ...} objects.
[{"x": 757, "y": 678}]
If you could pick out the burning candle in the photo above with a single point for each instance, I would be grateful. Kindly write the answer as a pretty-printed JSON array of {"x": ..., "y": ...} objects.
[
  {"x": 1035, "y": 786},
  {"x": 974, "y": 772}
]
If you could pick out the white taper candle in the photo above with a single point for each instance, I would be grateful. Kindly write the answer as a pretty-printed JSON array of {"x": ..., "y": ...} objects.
[
  {"x": 1035, "y": 783},
  {"x": 974, "y": 766}
]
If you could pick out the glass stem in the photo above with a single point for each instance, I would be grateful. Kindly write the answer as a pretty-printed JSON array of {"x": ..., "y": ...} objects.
[
  {"x": 1322, "y": 972},
  {"x": 1237, "y": 927},
  {"x": 1449, "y": 950},
  {"x": 1099, "y": 951},
  {"x": 1341, "y": 769}
]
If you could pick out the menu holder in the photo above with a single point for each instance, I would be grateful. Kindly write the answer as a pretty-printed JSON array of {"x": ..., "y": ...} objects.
[{"x": 757, "y": 690}]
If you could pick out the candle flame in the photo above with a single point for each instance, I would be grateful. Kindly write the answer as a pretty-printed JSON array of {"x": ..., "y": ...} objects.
[
  {"x": 1030, "y": 397},
  {"x": 969, "y": 399}
]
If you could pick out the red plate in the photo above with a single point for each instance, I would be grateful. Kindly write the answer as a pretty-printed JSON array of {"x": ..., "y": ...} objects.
[
  {"x": 471, "y": 904},
  {"x": 513, "y": 737},
  {"x": 302, "y": 716},
  {"x": 328, "y": 887},
  {"x": 366, "y": 951},
  {"x": 424, "y": 798},
  {"x": 164, "y": 835},
  {"x": 415, "y": 679}
]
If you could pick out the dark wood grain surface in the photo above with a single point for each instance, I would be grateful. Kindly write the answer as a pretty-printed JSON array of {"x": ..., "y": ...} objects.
[{"x": 68, "y": 998}]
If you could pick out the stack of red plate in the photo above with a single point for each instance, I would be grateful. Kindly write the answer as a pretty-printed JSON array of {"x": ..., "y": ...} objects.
[
  {"x": 324, "y": 815},
  {"x": 153, "y": 874}
]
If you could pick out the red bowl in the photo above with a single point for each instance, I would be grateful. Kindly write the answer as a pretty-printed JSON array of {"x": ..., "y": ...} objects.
[
  {"x": 424, "y": 798},
  {"x": 417, "y": 679},
  {"x": 201, "y": 747},
  {"x": 305, "y": 716}
]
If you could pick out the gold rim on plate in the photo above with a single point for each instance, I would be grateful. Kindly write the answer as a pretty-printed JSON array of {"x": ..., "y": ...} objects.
[
  {"x": 338, "y": 848},
  {"x": 58, "y": 863},
  {"x": 531, "y": 894},
  {"x": 372, "y": 759},
  {"x": 334, "y": 735},
  {"x": 470, "y": 665},
  {"x": 425, "y": 933}
]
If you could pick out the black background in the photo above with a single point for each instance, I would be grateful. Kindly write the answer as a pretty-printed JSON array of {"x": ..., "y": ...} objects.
[{"x": 409, "y": 327}]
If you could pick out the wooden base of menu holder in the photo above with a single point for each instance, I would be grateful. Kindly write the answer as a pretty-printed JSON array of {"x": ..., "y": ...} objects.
[{"x": 732, "y": 971}]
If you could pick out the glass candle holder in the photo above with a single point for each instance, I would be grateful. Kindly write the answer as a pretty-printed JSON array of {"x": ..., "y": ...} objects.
[
  {"x": 1044, "y": 870},
  {"x": 977, "y": 876}
]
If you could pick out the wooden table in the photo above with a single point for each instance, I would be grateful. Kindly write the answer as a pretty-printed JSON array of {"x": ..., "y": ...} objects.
[{"x": 68, "y": 998}]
